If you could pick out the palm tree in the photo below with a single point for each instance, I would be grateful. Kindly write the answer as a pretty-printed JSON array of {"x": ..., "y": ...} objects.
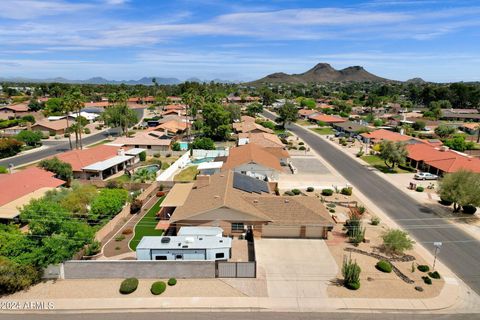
[
  {"x": 144, "y": 175},
  {"x": 78, "y": 103},
  {"x": 67, "y": 108}
]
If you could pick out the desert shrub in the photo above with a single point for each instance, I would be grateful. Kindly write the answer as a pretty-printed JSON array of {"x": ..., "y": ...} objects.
[
  {"x": 52, "y": 134},
  {"x": 355, "y": 232},
  {"x": 128, "y": 285},
  {"x": 108, "y": 203},
  {"x": 165, "y": 166},
  {"x": 160, "y": 193},
  {"x": 66, "y": 134},
  {"x": 3, "y": 170},
  {"x": 296, "y": 192},
  {"x": 120, "y": 237},
  {"x": 156, "y": 155},
  {"x": 361, "y": 209},
  {"x": 360, "y": 153},
  {"x": 158, "y": 287},
  {"x": 135, "y": 206},
  {"x": 114, "y": 184},
  {"x": 423, "y": 268},
  {"x": 419, "y": 189},
  {"x": 346, "y": 191},
  {"x": 288, "y": 193},
  {"x": 301, "y": 143},
  {"x": 15, "y": 277},
  {"x": 172, "y": 281},
  {"x": 327, "y": 192},
  {"x": 332, "y": 210},
  {"x": 384, "y": 266},
  {"x": 396, "y": 241},
  {"x": 87, "y": 131},
  {"x": 302, "y": 148},
  {"x": 142, "y": 156},
  {"x": 331, "y": 205},
  {"x": 93, "y": 248},
  {"x": 427, "y": 280},
  {"x": 445, "y": 202},
  {"x": 351, "y": 273},
  {"x": 310, "y": 189},
  {"x": 127, "y": 231},
  {"x": 9, "y": 147},
  {"x": 468, "y": 209},
  {"x": 375, "y": 221},
  {"x": 434, "y": 275},
  {"x": 168, "y": 155}
]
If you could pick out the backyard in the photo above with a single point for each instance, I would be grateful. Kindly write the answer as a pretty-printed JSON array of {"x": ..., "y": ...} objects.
[
  {"x": 378, "y": 163},
  {"x": 187, "y": 174},
  {"x": 146, "y": 226}
]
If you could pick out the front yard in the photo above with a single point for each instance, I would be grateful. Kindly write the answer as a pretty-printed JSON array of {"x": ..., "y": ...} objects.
[
  {"x": 323, "y": 130},
  {"x": 187, "y": 174},
  {"x": 378, "y": 163},
  {"x": 146, "y": 226}
]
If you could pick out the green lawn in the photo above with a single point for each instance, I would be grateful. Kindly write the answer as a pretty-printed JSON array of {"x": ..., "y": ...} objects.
[
  {"x": 146, "y": 226},
  {"x": 187, "y": 174},
  {"x": 99, "y": 143},
  {"x": 123, "y": 179},
  {"x": 323, "y": 131},
  {"x": 378, "y": 163}
]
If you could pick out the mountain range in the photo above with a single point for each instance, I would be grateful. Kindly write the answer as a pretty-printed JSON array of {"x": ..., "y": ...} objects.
[
  {"x": 100, "y": 80},
  {"x": 323, "y": 72}
]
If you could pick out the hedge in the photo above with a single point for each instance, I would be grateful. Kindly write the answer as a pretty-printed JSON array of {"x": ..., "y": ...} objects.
[
  {"x": 296, "y": 192},
  {"x": 384, "y": 266},
  {"x": 172, "y": 281},
  {"x": 419, "y": 189},
  {"x": 445, "y": 202},
  {"x": 158, "y": 287},
  {"x": 346, "y": 191},
  {"x": 423, "y": 268},
  {"x": 327, "y": 192},
  {"x": 310, "y": 189},
  {"x": 129, "y": 285},
  {"x": 468, "y": 209}
]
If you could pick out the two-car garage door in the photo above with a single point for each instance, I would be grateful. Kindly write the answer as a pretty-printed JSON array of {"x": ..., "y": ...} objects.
[{"x": 278, "y": 231}]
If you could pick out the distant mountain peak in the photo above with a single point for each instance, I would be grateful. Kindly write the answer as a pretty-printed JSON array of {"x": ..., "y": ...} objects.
[{"x": 323, "y": 72}]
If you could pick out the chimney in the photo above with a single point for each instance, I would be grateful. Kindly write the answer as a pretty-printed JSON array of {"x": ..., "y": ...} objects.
[
  {"x": 121, "y": 152},
  {"x": 443, "y": 148},
  {"x": 202, "y": 181}
]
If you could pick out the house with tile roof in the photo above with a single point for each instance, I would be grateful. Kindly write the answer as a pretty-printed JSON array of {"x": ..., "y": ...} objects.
[
  {"x": 47, "y": 127},
  {"x": 250, "y": 127},
  {"x": 319, "y": 117},
  {"x": 17, "y": 189},
  {"x": 254, "y": 161},
  {"x": 16, "y": 109},
  {"x": 305, "y": 113},
  {"x": 271, "y": 142},
  {"x": 235, "y": 203},
  {"x": 152, "y": 141}
]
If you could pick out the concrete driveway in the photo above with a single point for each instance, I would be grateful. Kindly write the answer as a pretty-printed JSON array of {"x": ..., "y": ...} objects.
[{"x": 295, "y": 267}]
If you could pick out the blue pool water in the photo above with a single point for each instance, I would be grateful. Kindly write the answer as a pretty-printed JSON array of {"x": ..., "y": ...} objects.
[
  {"x": 201, "y": 160},
  {"x": 183, "y": 145},
  {"x": 151, "y": 168}
]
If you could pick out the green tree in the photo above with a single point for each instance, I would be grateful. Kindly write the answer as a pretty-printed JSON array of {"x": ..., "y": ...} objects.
[
  {"x": 419, "y": 125},
  {"x": 79, "y": 198},
  {"x": 34, "y": 105},
  {"x": 15, "y": 277},
  {"x": 30, "y": 138},
  {"x": 108, "y": 203},
  {"x": 176, "y": 146},
  {"x": 444, "y": 131},
  {"x": 287, "y": 113},
  {"x": 393, "y": 153},
  {"x": 53, "y": 107},
  {"x": 396, "y": 241},
  {"x": 235, "y": 112},
  {"x": 308, "y": 103},
  {"x": 9, "y": 147},
  {"x": 267, "y": 96},
  {"x": 253, "y": 109},
  {"x": 461, "y": 187},
  {"x": 120, "y": 115},
  {"x": 203, "y": 144},
  {"x": 61, "y": 169},
  {"x": 144, "y": 175},
  {"x": 216, "y": 122}
]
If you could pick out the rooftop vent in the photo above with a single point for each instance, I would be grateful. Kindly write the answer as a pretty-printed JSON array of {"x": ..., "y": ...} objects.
[
  {"x": 287, "y": 201},
  {"x": 165, "y": 240}
]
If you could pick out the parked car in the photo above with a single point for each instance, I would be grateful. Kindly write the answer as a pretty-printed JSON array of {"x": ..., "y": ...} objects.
[
  {"x": 425, "y": 176},
  {"x": 339, "y": 134}
]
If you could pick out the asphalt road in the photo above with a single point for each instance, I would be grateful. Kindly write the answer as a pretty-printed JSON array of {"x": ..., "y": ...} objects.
[
  {"x": 238, "y": 316},
  {"x": 460, "y": 251},
  {"x": 56, "y": 147}
]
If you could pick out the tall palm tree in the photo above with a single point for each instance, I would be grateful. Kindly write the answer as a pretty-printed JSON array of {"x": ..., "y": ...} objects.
[
  {"x": 78, "y": 103},
  {"x": 67, "y": 108}
]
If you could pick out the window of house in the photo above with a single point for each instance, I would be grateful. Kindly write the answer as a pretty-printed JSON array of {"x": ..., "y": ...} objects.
[
  {"x": 219, "y": 255},
  {"x": 179, "y": 257},
  {"x": 160, "y": 257},
  {"x": 238, "y": 226},
  {"x": 149, "y": 147}
]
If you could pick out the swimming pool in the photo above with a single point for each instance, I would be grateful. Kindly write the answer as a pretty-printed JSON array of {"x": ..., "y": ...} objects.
[
  {"x": 150, "y": 168},
  {"x": 183, "y": 145},
  {"x": 201, "y": 160}
]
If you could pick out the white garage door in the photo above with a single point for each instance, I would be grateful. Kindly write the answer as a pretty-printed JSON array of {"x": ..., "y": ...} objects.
[
  {"x": 314, "y": 232},
  {"x": 280, "y": 232}
]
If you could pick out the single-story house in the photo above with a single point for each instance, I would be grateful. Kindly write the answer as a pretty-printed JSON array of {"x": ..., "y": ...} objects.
[
  {"x": 188, "y": 248},
  {"x": 328, "y": 119},
  {"x": 172, "y": 126},
  {"x": 47, "y": 127},
  {"x": 380, "y": 135},
  {"x": 255, "y": 161},
  {"x": 351, "y": 128},
  {"x": 17, "y": 189},
  {"x": 174, "y": 112},
  {"x": 16, "y": 109},
  {"x": 238, "y": 204},
  {"x": 270, "y": 142},
  {"x": 460, "y": 114},
  {"x": 247, "y": 119},
  {"x": 470, "y": 128},
  {"x": 209, "y": 168},
  {"x": 99, "y": 162},
  {"x": 305, "y": 113},
  {"x": 248, "y": 126},
  {"x": 145, "y": 140}
]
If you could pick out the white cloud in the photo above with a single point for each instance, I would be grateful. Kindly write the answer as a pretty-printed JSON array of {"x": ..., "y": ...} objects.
[{"x": 29, "y": 9}]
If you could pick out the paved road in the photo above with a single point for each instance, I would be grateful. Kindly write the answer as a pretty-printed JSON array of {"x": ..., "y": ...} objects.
[
  {"x": 238, "y": 316},
  {"x": 460, "y": 252},
  {"x": 56, "y": 147}
]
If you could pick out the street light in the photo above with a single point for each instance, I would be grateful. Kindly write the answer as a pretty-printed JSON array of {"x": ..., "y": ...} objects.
[{"x": 437, "y": 246}]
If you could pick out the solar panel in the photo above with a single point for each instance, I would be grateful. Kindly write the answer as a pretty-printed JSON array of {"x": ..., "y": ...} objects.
[{"x": 249, "y": 184}]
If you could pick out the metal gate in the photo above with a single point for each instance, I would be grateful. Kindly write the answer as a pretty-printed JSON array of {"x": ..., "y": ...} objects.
[{"x": 236, "y": 269}]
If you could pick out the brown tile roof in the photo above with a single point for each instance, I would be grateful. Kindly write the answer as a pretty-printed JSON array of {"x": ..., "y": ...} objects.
[
  {"x": 82, "y": 158},
  {"x": 19, "y": 107},
  {"x": 251, "y": 153},
  {"x": 171, "y": 126},
  {"x": 18, "y": 184},
  {"x": 306, "y": 112},
  {"x": 249, "y": 127},
  {"x": 382, "y": 134},
  {"x": 101, "y": 104},
  {"x": 263, "y": 139},
  {"x": 326, "y": 118},
  {"x": 291, "y": 211},
  {"x": 218, "y": 192},
  {"x": 52, "y": 125},
  {"x": 247, "y": 119},
  {"x": 142, "y": 138}
]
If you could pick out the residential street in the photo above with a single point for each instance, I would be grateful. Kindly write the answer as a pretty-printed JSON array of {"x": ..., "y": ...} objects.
[
  {"x": 56, "y": 147},
  {"x": 460, "y": 252}
]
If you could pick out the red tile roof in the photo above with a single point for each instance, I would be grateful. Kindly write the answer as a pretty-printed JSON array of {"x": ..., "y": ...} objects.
[
  {"x": 458, "y": 163},
  {"x": 326, "y": 118},
  {"x": 19, "y": 107},
  {"x": 82, "y": 158},
  {"x": 306, "y": 112},
  {"x": 21, "y": 183},
  {"x": 251, "y": 153},
  {"x": 382, "y": 134}
]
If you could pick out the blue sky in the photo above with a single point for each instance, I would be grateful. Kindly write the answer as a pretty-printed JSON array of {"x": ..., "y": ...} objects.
[{"x": 438, "y": 40}]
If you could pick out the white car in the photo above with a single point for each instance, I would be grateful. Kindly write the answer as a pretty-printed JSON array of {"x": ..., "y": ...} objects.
[{"x": 425, "y": 176}]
